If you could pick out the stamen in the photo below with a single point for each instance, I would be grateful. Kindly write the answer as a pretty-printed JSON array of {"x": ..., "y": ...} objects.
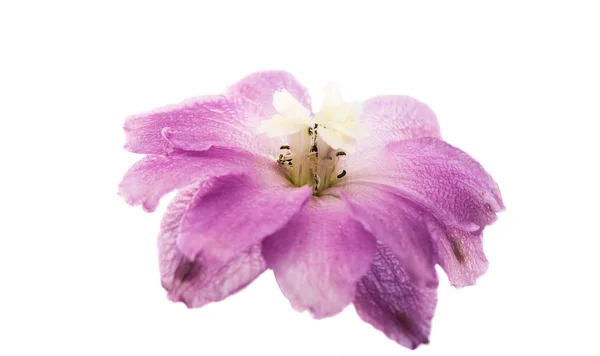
[
  {"x": 314, "y": 158},
  {"x": 317, "y": 182},
  {"x": 283, "y": 159}
]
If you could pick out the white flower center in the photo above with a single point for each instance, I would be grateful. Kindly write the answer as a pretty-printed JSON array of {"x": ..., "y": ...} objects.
[{"x": 315, "y": 143}]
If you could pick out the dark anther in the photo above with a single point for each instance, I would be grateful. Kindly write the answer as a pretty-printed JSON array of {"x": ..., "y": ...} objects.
[
  {"x": 341, "y": 175},
  {"x": 341, "y": 153},
  {"x": 310, "y": 130},
  {"x": 316, "y": 125},
  {"x": 283, "y": 159},
  {"x": 284, "y": 147},
  {"x": 314, "y": 148}
]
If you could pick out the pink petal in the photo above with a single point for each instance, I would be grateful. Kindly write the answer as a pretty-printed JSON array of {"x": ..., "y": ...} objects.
[
  {"x": 395, "y": 117},
  {"x": 398, "y": 224},
  {"x": 154, "y": 176},
  {"x": 319, "y": 256},
  {"x": 459, "y": 253},
  {"x": 229, "y": 124},
  {"x": 256, "y": 90},
  {"x": 234, "y": 212},
  {"x": 196, "y": 283},
  {"x": 436, "y": 176},
  {"x": 255, "y": 94},
  {"x": 207, "y": 120},
  {"x": 393, "y": 303},
  {"x": 229, "y": 120}
]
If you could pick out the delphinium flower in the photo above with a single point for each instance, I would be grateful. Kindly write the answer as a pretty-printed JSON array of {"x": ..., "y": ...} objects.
[{"x": 354, "y": 204}]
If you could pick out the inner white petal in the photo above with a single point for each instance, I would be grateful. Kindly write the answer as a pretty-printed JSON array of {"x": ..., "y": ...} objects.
[
  {"x": 287, "y": 105},
  {"x": 338, "y": 140}
]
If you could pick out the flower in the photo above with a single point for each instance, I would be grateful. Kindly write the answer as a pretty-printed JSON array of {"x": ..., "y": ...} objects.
[{"x": 354, "y": 204}]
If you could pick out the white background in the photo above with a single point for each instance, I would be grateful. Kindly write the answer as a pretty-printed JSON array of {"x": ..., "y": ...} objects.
[{"x": 517, "y": 85}]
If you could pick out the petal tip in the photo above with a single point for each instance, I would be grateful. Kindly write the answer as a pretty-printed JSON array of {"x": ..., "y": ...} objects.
[
  {"x": 128, "y": 199},
  {"x": 318, "y": 315},
  {"x": 149, "y": 206}
]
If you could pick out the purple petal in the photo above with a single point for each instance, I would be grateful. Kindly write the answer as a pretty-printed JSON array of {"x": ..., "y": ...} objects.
[
  {"x": 395, "y": 117},
  {"x": 228, "y": 120},
  {"x": 234, "y": 212},
  {"x": 205, "y": 121},
  {"x": 229, "y": 125},
  {"x": 256, "y": 90},
  {"x": 255, "y": 94},
  {"x": 398, "y": 224},
  {"x": 196, "y": 283},
  {"x": 196, "y": 125},
  {"x": 459, "y": 253},
  {"x": 388, "y": 299},
  {"x": 436, "y": 176},
  {"x": 154, "y": 176},
  {"x": 416, "y": 236},
  {"x": 319, "y": 256}
]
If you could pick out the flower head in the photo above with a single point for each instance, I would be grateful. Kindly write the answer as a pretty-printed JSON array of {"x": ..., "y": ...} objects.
[{"x": 356, "y": 203}]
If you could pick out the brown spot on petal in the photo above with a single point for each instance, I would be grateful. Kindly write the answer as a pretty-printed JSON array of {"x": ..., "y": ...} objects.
[
  {"x": 403, "y": 320},
  {"x": 186, "y": 270},
  {"x": 411, "y": 330},
  {"x": 458, "y": 250}
]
